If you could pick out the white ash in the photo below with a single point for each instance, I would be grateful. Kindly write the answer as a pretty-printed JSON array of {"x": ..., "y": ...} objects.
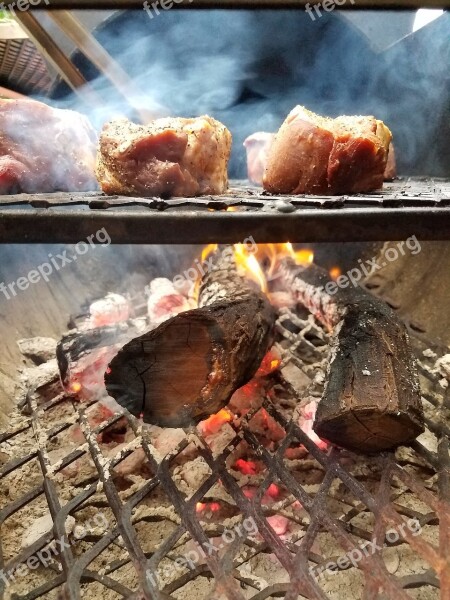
[
  {"x": 442, "y": 365},
  {"x": 38, "y": 349},
  {"x": 37, "y": 377},
  {"x": 41, "y": 526}
]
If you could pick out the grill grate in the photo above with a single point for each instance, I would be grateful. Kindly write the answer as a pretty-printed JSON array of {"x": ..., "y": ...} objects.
[
  {"x": 332, "y": 502},
  {"x": 419, "y": 206}
]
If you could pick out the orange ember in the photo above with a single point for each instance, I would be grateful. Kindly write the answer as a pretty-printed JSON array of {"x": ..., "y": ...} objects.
[
  {"x": 246, "y": 467},
  {"x": 75, "y": 387},
  {"x": 335, "y": 272},
  {"x": 213, "y": 423},
  {"x": 269, "y": 363}
]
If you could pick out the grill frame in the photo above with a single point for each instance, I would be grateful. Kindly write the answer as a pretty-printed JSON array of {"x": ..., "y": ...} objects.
[{"x": 410, "y": 206}]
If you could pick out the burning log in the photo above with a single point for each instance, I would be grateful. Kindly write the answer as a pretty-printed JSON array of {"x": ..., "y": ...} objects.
[
  {"x": 188, "y": 368},
  {"x": 371, "y": 400}
]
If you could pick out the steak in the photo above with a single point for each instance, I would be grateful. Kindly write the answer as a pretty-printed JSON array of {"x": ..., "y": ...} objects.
[
  {"x": 168, "y": 157},
  {"x": 45, "y": 149},
  {"x": 317, "y": 155}
]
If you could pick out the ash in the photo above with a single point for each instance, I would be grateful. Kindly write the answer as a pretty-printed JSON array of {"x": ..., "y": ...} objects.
[{"x": 162, "y": 493}]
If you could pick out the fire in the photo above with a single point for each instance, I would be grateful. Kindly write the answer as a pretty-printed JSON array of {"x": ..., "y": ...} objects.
[
  {"x": 209, "y": 249},
  {"x": 213, "y": 423},
  {"x": 75, "y": 387},
  {"x": 335, "y": 272},
  {"x": 247, "y": 260},
  {"x": 305, "y": 256}
]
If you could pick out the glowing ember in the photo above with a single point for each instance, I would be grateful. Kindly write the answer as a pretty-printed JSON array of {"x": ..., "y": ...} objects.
[
  {"x": 306, "y": 421},
  {"x": 270, "y": 363},
  {"x": 112, "y": 309},
  {"x": 213, "y": 423},
  {"x": 246, "y": 467},
  {"x": 278, "y": 523},
  {"x": 335, "y": 272},
  {"x": 248, "y": 261},
  {"x": 273, "y": 490},
  {"x": 75, "y": 387},
  {"x": 164, "y": 300},
  {"x": 207, "y": 506}
]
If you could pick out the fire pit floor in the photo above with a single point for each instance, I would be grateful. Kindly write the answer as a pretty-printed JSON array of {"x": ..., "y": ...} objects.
[{"x": 246, "y": 505}]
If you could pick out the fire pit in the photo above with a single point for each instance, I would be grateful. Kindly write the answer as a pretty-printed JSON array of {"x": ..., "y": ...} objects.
[
  {"x": 279, "y": 427},
  {"x": 250, "y": 503}
]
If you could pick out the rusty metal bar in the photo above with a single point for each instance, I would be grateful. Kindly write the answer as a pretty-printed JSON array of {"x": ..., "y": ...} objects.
[
  {"x": 185, "y": 4},
  {"x": 104, "y": 62}
]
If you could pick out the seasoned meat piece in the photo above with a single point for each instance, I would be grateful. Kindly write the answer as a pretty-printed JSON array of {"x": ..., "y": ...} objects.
[
  {"x": 257, "y": 146},
  {"x": 317, "y": 155},
  {"x": 168, "y": 157},
  {"x": 45, "y": 149}
]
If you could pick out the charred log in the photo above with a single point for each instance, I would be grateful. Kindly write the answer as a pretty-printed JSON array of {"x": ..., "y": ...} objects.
[
  {"x": 188, "y": 368},
  {"x": 371, "y": 400}
]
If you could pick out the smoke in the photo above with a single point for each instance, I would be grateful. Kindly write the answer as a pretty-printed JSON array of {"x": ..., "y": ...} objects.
[{"x": 249, "y": 68}]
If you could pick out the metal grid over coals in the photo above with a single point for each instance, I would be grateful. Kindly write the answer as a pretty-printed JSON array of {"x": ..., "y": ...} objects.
[
  {"x": 332, "y": 502},
  {"x": 419, "y": 206}
]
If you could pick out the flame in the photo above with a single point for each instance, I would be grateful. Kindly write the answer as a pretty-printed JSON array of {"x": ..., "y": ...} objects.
[
  {"x": 305, "y": 256},
  {"x": 335, "y": 272},
  {"x": 247, "y": 260},
  {"x": 207, "y": 250},
  {"x": 231, "y": 209}
]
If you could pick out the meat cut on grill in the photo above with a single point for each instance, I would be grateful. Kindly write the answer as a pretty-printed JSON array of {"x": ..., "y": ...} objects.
[
  {"x": 317, "y": 155},
  {"x": 257, "y": 147},
  {"x": 168, "y": 157},
  {"x": 45, "y": 149}
]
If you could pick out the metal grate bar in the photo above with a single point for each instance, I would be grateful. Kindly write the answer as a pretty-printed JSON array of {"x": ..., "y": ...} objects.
[{"x": 403, "y": 208}]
